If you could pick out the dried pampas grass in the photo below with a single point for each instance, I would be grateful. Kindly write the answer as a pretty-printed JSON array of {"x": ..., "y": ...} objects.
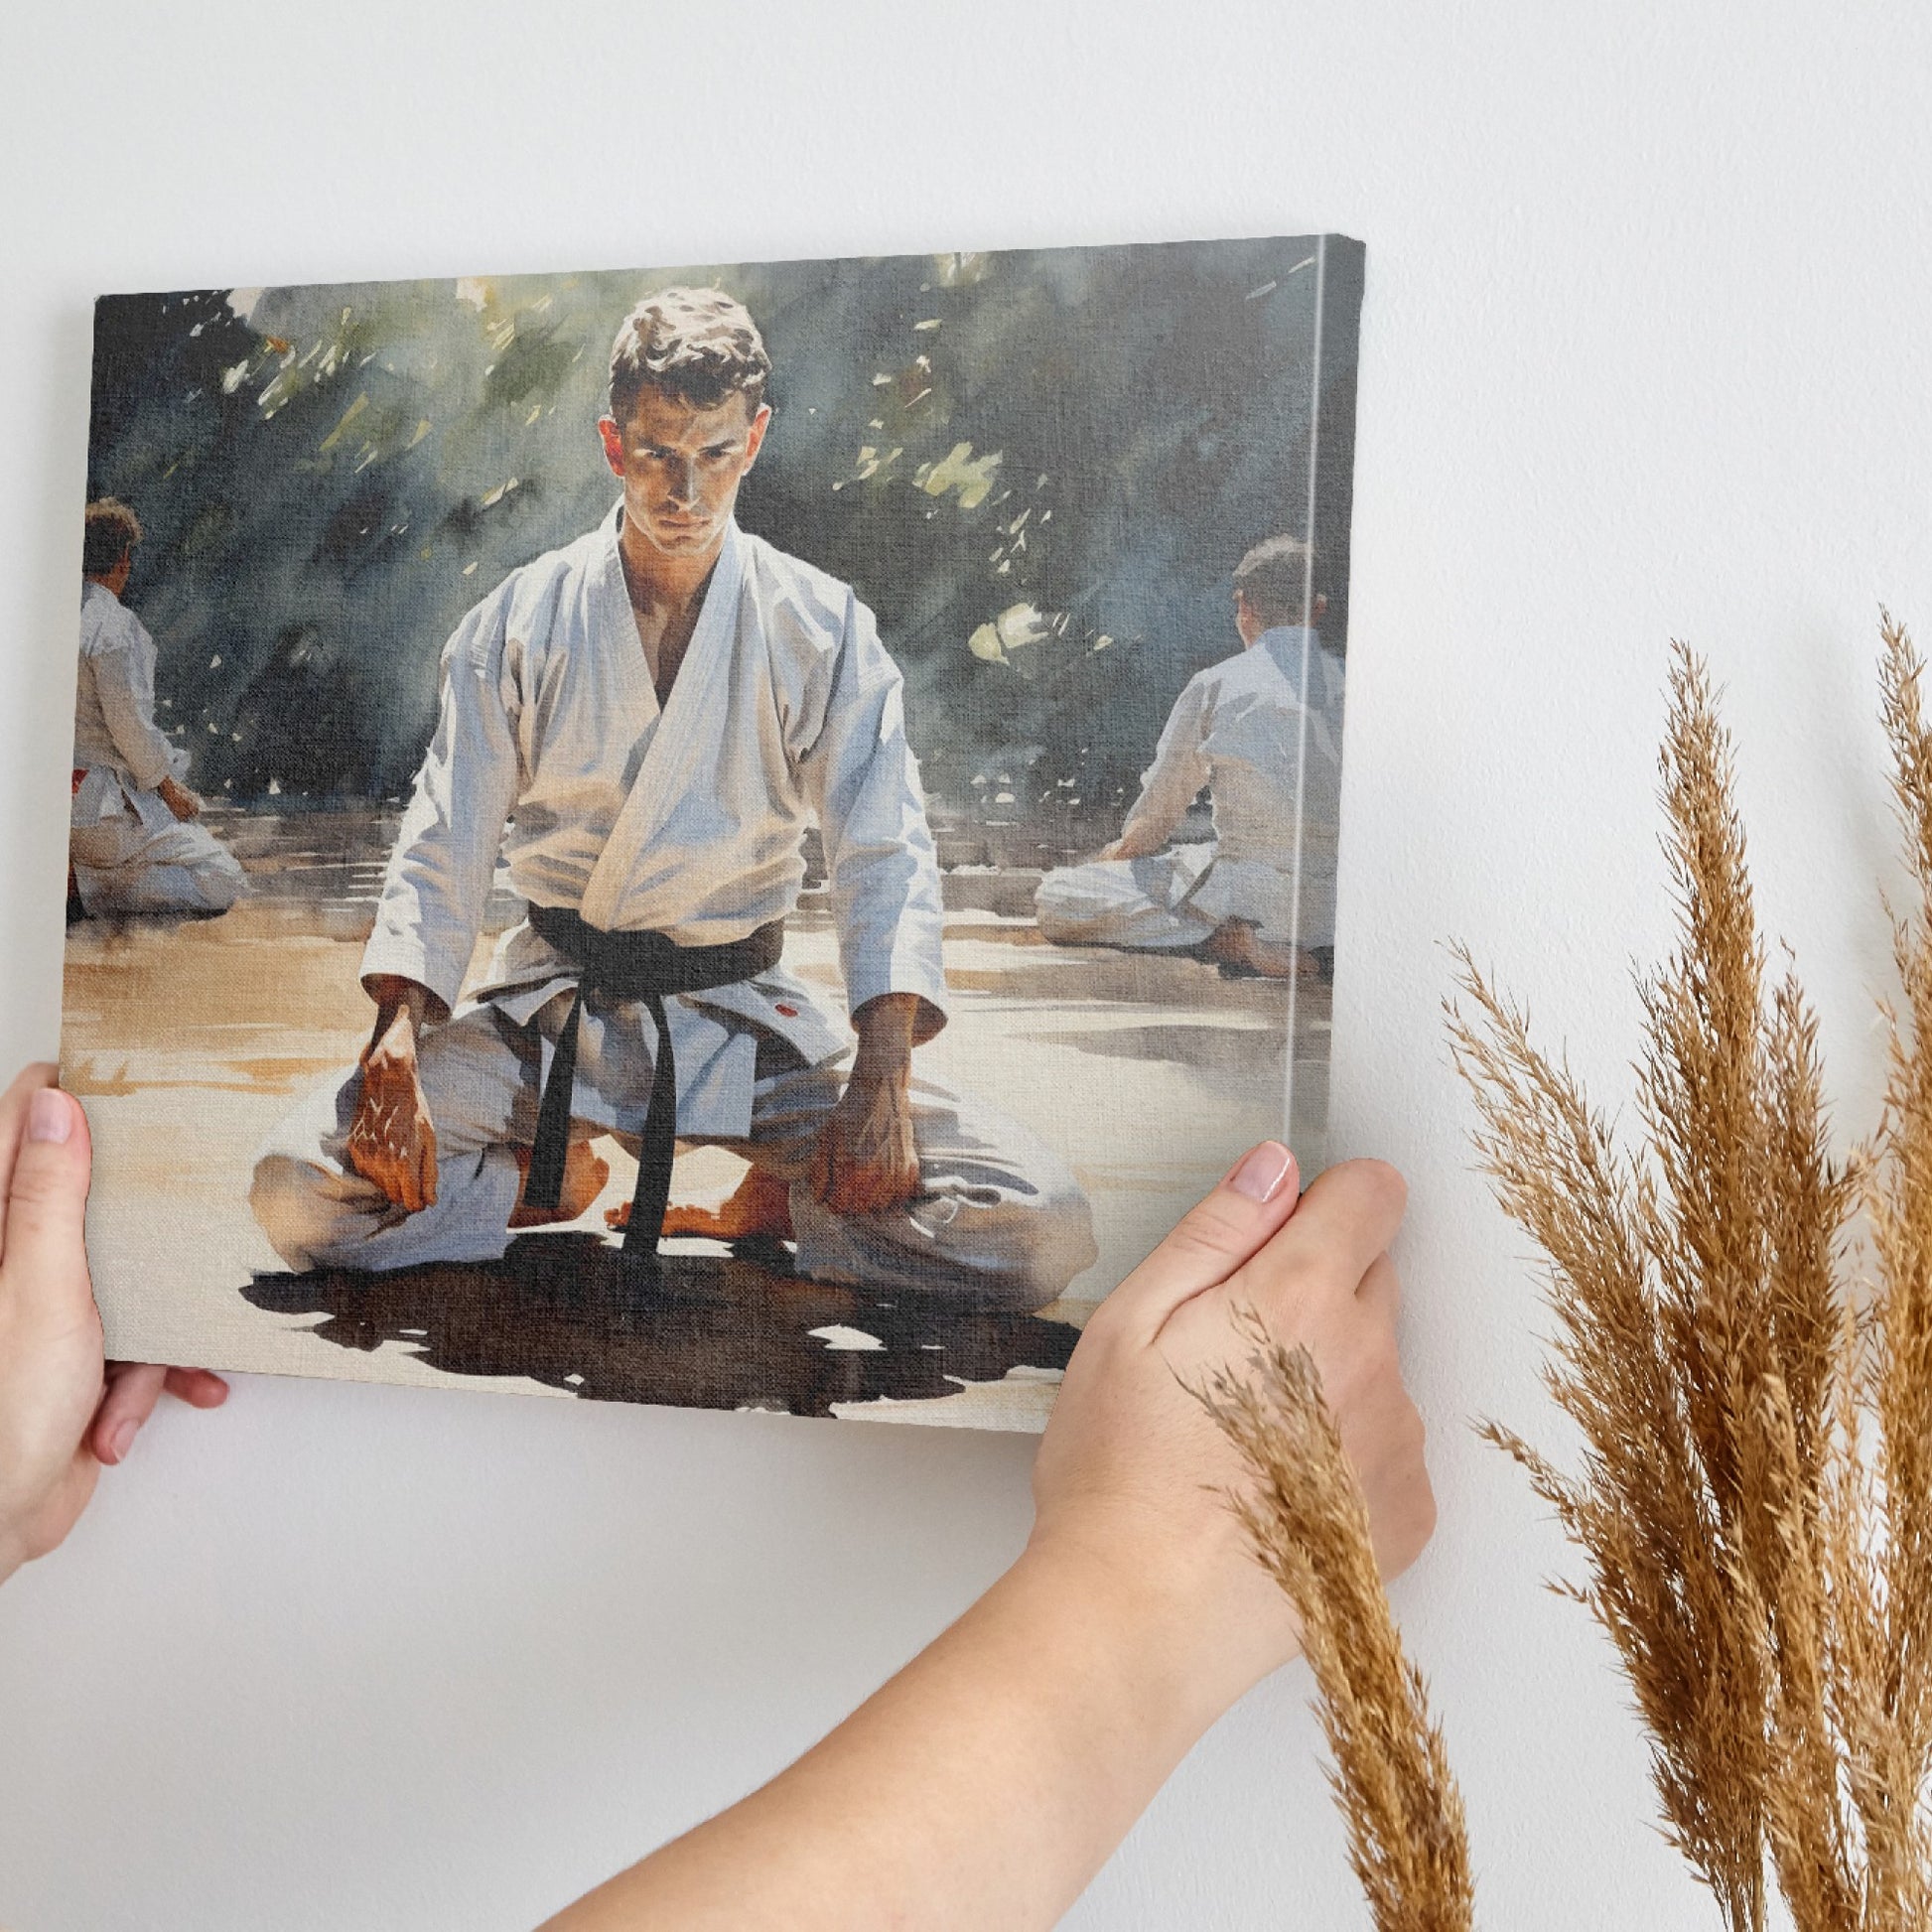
[
  {"x": 1752, "y": 1388},
  {"x": 1308, "y": 1526},
  {"x": 1755, "y": 1499}
]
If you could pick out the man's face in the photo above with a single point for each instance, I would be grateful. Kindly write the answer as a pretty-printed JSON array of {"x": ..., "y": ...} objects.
[{"x": 681, "y": 467}]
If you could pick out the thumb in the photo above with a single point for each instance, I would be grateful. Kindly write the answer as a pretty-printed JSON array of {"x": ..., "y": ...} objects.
[
  {"x": 44, "y": 1260},
  {"x": 1213, "y": 1238}
]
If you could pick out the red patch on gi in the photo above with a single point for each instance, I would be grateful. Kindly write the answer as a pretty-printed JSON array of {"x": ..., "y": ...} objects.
[{"x": 780, "y": 1007}]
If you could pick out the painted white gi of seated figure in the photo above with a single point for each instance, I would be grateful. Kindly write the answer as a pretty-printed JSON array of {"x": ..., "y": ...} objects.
[
  {"x": 132, "y": 840},
  {"x": 643, "y": 725},
  {"x": 1261, "y": 732}
]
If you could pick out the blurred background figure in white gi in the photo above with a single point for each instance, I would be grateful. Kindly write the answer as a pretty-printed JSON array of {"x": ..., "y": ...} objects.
[
  {"x": 1261, "y": 731},
  {"x": 135, "y": 845}
]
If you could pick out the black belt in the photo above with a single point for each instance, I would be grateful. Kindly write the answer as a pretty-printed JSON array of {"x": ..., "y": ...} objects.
[{"x": 642, "y": 966}]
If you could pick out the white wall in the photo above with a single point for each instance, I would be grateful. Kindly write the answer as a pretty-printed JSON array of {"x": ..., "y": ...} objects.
[{"x": 1644, "y": 352}]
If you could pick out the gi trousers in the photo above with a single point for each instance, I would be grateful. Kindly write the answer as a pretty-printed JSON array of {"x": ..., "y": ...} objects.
[
  {"x": 997, "y": 1218},
  {"x": 1141, "y": 903},
  {"x": 148, "y": 861},
  {"x": 1178, "y": 897}
]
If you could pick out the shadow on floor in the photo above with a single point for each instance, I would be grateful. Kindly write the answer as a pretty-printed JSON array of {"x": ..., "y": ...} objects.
[
  {"x": 715, "y": 1331},
  {"x": 1208, "y": 1050}
]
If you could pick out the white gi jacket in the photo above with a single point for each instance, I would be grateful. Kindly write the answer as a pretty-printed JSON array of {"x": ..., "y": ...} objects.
[
  {"x": 117, "y": 742},
  {"x": 1274, "y": 764},
  {"x": 552, "y": 752}
]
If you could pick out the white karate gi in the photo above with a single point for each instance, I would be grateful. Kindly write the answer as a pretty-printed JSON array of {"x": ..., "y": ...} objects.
[
  {"x": 1273, "y": 764},
  {"x": 131, "y": 853},
  {"x": 552, "y": 752}
]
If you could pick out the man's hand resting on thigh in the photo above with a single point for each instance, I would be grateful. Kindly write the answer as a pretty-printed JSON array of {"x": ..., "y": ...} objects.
[
  {"x": 179, "y": 799},
  {"x": 393, "y": 1139},
  {"x": 63, "y": 1412},
  {"x": 865, "y": 1158}
]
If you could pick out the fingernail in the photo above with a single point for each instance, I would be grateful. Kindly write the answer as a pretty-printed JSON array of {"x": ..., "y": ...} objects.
[
  {"x": 1261, "y": 1175},
  {"x": 123, "y": 1440},
  {"x": 50, "y": 1116}
]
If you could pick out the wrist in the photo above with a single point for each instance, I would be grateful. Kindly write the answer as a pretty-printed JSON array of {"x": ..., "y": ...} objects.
[
  {"x": 888, "y": 1025},
  {"x": 884, "y": 1057},
  {"x": 881, "y": 1066},
  {"x": 1143, "y": 1625},
  {"x": 401, "y": 1007}
]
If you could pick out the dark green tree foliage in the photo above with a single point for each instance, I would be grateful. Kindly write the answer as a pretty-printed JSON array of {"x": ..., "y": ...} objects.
[{"x": 1038, "y": 468}]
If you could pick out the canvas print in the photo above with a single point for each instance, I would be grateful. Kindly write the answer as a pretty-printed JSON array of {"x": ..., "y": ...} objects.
[{"x": 742, "y": 836}]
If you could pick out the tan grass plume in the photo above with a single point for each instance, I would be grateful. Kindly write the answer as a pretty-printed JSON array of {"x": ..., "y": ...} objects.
[
  {"x": 1754, "y": 1496},
  {"x": 1308, "y": 1522},
  {"x": 1752, "y": 1387}
]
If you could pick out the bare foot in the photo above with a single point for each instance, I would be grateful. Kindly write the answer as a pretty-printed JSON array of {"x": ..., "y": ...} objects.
[
  {"x": 1234, "y": 942},
  {"x": 585, "y": 1172},
  {"x": 761, "y": 1204}
]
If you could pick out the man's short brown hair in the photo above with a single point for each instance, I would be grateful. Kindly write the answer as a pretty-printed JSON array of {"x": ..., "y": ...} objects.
[
  {"x": 1277, "y": 578},
  {"x": 697, "y": 344},
  {"x": 112, "y": 531}
]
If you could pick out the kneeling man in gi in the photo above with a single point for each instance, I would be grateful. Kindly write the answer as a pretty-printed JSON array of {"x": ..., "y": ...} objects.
[
  {"x": 643, "y": 725},
  {"x": 132, "y": 840},
  {"x": 1261, "y": 731}
]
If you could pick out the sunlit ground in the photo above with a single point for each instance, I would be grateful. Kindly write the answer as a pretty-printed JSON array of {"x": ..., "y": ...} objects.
[{"x": 187, "y": 1041}]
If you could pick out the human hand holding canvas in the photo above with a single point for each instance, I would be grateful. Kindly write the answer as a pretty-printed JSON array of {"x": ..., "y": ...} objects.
[
  {"x": 1130, "y": 1454},
  {"x": 989, "y": 1780},
  {"x": 63, "y": 1411}
]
